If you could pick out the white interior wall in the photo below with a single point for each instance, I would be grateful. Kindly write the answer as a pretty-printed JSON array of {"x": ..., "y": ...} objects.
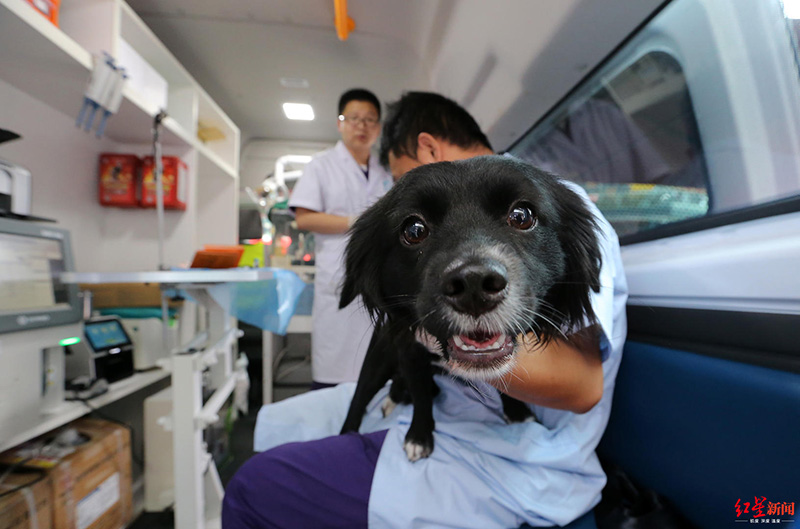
[
  {"x": 509, "y": 62},
  {"x": 482, "y": 56},
  {"x": 63, "y": 162},
  {"x": 259, "y": 157}
]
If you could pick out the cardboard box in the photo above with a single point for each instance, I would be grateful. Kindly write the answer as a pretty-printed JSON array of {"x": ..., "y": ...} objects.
[
  {"x": 174, "y": 177},
  {"x": 113, "y": 295},
  {"x": 91, "y": 485},
  {"x": 31, "y": 506}
]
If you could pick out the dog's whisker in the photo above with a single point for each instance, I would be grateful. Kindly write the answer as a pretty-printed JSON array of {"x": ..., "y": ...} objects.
[
  {"x": 553, "y": 324},
  {"x": 549, "y": 306}
]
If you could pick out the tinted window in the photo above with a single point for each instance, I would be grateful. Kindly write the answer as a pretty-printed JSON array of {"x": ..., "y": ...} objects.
[{"x": 693, "y": 116}]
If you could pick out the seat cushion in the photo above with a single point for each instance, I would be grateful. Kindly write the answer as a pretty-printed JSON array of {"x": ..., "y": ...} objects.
[{"x": 706, "y": 432}]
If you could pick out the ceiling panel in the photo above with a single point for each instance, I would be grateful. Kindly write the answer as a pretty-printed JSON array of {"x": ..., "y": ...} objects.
[{"x": 507, "y": 61}]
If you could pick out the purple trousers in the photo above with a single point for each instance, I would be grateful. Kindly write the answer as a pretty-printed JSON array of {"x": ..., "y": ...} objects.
[{"x": 316, "y": 485}]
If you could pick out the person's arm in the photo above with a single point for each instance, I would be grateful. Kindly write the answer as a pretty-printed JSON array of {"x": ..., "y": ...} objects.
[
  {"x": 318, "y": 222},
  {"x": 566, "y": 374}
]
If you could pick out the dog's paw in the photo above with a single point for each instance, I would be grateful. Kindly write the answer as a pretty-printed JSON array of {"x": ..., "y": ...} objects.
[
  {"x": 416, "y": 451},
  {"x": 419, "y": 445},
  {"x": 388, "y": 407},
  {"x": 530, "y": 418},
  {"x": 516, "y": 411},
  {"x": 521, "y": 413}
]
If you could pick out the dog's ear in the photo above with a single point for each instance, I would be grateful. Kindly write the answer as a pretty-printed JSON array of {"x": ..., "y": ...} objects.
[
  {"x": 364, "y": 256},
  {"x": 579, "y": 240}
]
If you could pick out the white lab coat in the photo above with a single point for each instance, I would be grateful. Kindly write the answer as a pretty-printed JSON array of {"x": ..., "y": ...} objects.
[{"x": 334, "y": 183}]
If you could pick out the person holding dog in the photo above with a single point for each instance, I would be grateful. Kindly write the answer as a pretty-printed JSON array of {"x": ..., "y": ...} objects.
[
  {"x": 336, "y": 186},
  {"x": 483, "y": 473}
]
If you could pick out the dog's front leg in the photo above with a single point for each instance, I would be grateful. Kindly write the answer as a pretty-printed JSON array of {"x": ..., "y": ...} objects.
[
  {"x": 417, "y": 371},
  {"x": 379, "y": 365}
]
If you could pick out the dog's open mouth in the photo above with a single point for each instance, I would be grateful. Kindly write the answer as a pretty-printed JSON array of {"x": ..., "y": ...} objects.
[{"x": 481, "y": 349}]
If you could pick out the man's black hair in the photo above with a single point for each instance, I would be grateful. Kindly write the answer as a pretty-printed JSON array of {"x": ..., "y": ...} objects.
[
  {"x": 417, "y": 112},
  {"x": 359, "y": 94}
]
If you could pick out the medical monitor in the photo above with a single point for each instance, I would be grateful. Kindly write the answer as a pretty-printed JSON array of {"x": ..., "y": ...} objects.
[
  {"x": 32, "y": 259},
  {"x": 106, "y": 335}
]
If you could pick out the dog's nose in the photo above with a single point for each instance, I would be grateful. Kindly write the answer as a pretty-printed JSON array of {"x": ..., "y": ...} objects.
[{"x": 475, "y": 288}]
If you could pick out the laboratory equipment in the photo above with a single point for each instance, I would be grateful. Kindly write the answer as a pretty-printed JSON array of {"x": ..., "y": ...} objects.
[
  {"x": 39, "y": 316},
  {"x": 15, "y": 189},
  {"x": 103, "y": 91},
  {"x": 32, "y": 259},
  {"x": 147, "y": 336},
  {"x": 106, "y": 353},
  {"x": 270, "y": 194}
]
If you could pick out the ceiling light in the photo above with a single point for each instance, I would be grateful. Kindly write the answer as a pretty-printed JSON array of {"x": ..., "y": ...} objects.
[
  {"x": 301, "y": 111},
  {"x": 294, "y": 82},
  {"x": 791, "y": 9}
]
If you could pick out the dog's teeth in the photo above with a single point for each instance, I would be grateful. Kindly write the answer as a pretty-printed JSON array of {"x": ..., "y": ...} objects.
[{"x": 458, "y": 341}]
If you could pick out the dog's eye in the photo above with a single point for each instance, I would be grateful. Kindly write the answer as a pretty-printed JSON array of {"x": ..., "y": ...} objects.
[
  {"x": 414, "y": 231},
  {"x": 521, "y": 217}
]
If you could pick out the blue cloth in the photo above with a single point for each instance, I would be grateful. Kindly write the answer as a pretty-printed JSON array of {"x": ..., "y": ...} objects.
[
  {"x": 268, "y": 304},
  {"x": 483, "y": 472}
]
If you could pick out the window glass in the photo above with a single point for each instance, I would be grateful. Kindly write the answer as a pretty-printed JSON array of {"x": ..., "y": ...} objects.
[{"x": 695, "y": 115}]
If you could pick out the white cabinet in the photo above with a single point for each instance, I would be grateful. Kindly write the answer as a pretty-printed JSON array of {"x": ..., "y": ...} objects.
[{"x": 43, "y": 73}]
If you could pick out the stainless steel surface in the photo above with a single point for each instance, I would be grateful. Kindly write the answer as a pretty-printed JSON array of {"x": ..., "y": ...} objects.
[{"x": 172, "y": 277}]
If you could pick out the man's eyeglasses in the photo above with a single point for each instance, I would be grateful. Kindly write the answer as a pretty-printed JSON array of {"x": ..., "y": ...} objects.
[{"x": 355, "y": 120}]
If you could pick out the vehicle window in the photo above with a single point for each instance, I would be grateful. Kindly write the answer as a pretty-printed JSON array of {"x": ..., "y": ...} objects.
[{"x": 671, "y": 128}]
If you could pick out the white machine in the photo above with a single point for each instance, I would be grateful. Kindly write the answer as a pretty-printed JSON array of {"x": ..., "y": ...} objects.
[
  {"x": 147, "y": 335},
  {"x": 39, "y": 316},
  {"x": 15, "y": 189}
]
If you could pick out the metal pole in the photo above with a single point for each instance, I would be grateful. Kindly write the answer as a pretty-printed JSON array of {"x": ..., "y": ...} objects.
[{"x": 158, "y": 170}]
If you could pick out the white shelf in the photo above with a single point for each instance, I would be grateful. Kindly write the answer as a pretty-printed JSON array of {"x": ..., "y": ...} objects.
[
  {"x": 210, "y": 163},
  {"x": 45, "y": 63},
  {"x": 211, "y": 115},
  {"x": 72, "y": 410},
  {"x": 48, "y": 64},
  {"x": 136, "y": 33},
  {"x": 187, "y": 101}
]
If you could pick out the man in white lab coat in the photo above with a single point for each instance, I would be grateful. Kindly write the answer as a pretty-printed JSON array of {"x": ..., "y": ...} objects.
[{"x": 336, "y": 186}]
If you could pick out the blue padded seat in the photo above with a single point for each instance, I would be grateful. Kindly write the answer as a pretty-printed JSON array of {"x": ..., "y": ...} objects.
[{"x": 706, "y": 432}]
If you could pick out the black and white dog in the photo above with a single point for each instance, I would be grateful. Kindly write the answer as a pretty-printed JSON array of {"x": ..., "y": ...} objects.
[{"x": 454, "y": 264}]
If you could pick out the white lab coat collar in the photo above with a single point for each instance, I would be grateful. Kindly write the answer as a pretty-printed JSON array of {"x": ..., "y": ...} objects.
[{"x": 345, "y": 154}]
